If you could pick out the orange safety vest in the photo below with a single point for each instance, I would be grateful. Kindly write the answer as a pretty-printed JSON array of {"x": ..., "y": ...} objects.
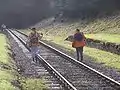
[{"x": 76, "y": 44}]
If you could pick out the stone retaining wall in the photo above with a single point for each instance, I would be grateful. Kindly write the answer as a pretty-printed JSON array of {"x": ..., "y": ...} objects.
[{"x": 107, "y": 46}]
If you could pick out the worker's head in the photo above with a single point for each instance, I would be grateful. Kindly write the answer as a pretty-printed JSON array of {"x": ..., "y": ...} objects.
[
  {"x": 77, "y": 30},
  {"x": 33, "y": 29}
]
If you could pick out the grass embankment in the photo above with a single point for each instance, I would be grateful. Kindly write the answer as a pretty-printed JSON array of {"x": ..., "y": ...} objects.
[
  {"x": 113, "y": 38},
  {"x": 7, "y": 74}
]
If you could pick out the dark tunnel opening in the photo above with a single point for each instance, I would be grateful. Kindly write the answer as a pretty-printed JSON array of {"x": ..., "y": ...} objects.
[{"x": 24, "y": 13}]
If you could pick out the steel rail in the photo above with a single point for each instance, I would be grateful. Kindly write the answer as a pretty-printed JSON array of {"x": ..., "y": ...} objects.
[{"x": 51, "y": 69}]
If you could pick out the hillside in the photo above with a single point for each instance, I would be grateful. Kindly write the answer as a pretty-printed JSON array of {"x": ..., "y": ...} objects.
[{"x": 110, "y": 24}]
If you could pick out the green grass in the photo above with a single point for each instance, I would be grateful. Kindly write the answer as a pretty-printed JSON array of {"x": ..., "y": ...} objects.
[
  {"x": 27, "y": 32},
  {"x": 114, "y": 38},
  {"x": 6, "y": 76},
  {"x": 4, "y": 52},
  {"x": 33, "y": 84},
  {"x": 108, "y": 59}
]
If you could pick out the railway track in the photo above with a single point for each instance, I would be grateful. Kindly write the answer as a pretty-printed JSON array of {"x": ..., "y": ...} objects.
[
  {"x": 38, "y": 69},
  {"x": 73, "y": 74}
]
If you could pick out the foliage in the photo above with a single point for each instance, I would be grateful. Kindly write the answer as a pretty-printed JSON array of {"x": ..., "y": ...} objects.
[
  {"x": 33, "y": 84},
  {"x": 6, "y": 75}
]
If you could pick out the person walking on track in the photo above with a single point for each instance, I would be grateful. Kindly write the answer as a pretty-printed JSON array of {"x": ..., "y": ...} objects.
[
  {"x": 3, "y": 27},
  {"x": 34, "y": 38},
  {"x": 79, "y": 42}
]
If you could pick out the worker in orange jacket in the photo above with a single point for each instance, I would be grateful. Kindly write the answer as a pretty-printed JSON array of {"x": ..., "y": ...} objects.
[{"x": 79, "y": 42}]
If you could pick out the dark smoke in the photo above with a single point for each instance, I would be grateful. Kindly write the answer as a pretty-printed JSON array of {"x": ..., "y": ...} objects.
[
  {"x": 88, "y": 8},
  {"x": 24, "y": 13}
]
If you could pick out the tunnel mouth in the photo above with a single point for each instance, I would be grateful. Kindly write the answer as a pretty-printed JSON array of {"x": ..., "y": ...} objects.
[{"x": 22, "y": 14}]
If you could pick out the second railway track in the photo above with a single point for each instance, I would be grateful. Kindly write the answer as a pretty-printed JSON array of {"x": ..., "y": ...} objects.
[{"x": 80, "y": 76}]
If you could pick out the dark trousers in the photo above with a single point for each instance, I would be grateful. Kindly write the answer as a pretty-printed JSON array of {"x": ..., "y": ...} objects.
[{"x": 79, "y": 51}]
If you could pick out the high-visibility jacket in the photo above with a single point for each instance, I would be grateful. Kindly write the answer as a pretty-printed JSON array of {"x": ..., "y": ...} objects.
[{"x": 77, "y": 43}]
